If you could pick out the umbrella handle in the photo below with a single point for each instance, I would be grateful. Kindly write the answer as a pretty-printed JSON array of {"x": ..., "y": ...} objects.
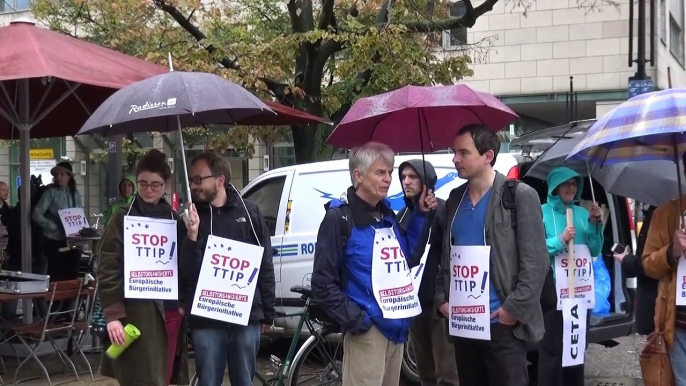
[
  {"x": 678, "y": 178},
  {"x": 590, "y": 180},
  {"x": 189, "y": 200}
]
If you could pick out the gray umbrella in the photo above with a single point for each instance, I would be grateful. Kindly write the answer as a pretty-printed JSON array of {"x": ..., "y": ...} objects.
[
  {"x": 172, "y": 101},
  {"x": 154, "y": 103},
  {"x": 651, "y": 182}
]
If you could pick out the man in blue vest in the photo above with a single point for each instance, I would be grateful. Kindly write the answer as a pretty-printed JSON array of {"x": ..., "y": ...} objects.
[{"x": 364, "y": 283}]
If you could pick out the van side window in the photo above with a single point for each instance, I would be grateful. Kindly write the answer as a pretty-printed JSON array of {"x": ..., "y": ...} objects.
[{"x": 267, "y": 196}]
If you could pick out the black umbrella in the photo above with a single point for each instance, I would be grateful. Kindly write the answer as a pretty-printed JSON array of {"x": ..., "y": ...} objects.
[{"x": 172, "y": 101}]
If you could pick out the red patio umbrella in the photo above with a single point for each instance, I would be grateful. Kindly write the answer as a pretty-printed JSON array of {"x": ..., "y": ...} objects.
[
  {"x": 284, "y": 116},
  {"x": 62, "y": 79},
  {"x": 49, "y": 85}
]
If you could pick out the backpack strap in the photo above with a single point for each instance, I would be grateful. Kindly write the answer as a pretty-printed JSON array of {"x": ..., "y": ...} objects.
[
  {"x": 345, "y": 225},
  {"x": 509, "y": 200}
]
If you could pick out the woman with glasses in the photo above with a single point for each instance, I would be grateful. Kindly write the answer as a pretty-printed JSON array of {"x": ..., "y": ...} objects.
[{"x": 161, "y": 349}]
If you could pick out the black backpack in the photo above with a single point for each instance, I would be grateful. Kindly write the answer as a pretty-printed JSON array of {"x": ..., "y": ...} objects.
[
  {"x": 548, "y": 293},
  {"x": 345, "y": 224}
]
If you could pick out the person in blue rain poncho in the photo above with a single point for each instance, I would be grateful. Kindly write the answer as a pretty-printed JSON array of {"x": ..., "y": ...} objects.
[{"x": 564, "y": 191}]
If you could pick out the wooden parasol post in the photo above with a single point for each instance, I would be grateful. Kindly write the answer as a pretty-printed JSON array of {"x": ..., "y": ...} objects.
[{"x": 571, "y": 277}]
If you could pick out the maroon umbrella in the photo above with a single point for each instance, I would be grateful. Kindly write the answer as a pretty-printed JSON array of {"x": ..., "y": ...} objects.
[
  {"x": 61, "y": 79},
  {"x": 414, "y": 119}
]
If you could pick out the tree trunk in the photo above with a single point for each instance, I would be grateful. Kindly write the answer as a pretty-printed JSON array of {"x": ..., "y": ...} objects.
[
  {"x": 306, "y": 137},
  {"x": 305, "y": 143}
]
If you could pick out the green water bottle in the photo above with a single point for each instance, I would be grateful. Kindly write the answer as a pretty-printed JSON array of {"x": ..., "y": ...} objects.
[{"x": 131, "y": 334}]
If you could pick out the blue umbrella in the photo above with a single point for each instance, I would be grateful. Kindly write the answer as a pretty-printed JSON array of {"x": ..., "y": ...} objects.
[{"x": 646, "y": 127}]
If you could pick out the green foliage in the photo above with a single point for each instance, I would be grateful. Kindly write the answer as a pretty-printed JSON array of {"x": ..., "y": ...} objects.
[{"x": 317, "y": 56}]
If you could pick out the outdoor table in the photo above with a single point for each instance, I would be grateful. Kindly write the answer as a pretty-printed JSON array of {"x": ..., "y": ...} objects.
[{"x": 91, "y": 242}]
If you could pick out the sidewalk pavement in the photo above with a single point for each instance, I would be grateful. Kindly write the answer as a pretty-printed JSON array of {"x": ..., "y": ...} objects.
[{"x": 56, "y": 370}]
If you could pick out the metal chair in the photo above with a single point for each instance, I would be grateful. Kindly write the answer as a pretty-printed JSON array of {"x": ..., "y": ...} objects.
[{"x": 64, "y": 302}]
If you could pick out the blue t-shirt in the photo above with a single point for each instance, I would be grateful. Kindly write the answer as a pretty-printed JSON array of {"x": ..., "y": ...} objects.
[{"x": 468, "y": 229}]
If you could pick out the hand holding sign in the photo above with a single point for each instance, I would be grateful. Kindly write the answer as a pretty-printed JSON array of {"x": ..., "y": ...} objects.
[{"x": 73, "y": 220}]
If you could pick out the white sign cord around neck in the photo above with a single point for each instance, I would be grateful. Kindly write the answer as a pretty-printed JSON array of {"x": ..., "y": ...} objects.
[
  {"x": 252, "y": 226},
  {"x": 458, "y": 209},
  {"x": 134, "y": 200}
]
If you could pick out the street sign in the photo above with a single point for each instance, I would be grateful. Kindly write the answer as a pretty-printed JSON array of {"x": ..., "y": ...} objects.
[
  {"x": 41, "y": 154},
  {"x": 638, "y": 87}
]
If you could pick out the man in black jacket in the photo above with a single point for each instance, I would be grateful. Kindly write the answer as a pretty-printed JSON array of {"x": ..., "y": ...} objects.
[
  {"x": 434, "y": 354},
  {"x": 222, "y": 212}
]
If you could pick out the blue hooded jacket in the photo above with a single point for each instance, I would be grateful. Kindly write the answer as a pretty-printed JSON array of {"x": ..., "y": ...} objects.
[
  {"x": 351, "y": 303},
  {"x": 555, "y": 217}
]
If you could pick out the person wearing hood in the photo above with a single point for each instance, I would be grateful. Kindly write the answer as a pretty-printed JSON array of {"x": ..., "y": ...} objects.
[
  {"x": 362, "y": 283},
  {"x": 160, "y": 355},
  {"x": 564, "y": 190},
  {"x": 219, "y": 210},
  {"x": 127, "y": 190},
  {"x": 434, "y": 354},
  {"x": 63, "y": 262}
]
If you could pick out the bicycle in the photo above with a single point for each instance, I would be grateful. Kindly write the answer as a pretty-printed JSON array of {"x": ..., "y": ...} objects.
[{"x": 292, "y": 371}]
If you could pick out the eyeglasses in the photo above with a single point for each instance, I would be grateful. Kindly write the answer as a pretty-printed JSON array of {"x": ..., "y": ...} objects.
[
  {"x": 199, "y": 180},
  {"x": 155, "y": 185}
]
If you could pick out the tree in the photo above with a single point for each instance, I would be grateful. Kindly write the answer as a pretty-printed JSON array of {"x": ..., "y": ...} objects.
[{"x": 317, "y": 56}]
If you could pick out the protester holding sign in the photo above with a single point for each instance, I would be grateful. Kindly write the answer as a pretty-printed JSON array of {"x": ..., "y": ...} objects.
[
  {"x": 63, "y": 262},
  {"x": 220, "y": 335},
  {"x": 564, "y": 189},
  {"x": 493, "y": 268},
  {"x": 364, "y": 284},
  {"x": 153, "y": 358},
  {"x": 663, "y": 260},
  {"x": 434, "y": 354}
]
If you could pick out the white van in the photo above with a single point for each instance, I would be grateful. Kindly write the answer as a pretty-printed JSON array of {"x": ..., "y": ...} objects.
[{"x": 292, "y": 201}]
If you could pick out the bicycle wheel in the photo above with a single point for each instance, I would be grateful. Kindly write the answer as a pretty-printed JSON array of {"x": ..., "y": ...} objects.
[
  {"x": 318, "y": 362},
  {"x": 194, "y": 380}
]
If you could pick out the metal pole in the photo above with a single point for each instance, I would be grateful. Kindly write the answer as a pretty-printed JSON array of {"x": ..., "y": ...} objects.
[
  {"x": 183, "y": 152},
  {"x": 114, "y": 167},
  {"x": 185, "y": 167},
  {"x": 641, "y": 55},
  {"x": 86, "y": 177},
  {"x": 590, "y": 180},
  {"x": 25, "y": 190}
]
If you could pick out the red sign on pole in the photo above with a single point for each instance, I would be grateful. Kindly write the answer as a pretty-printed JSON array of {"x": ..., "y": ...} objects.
[{"x": 175, "y": 201}]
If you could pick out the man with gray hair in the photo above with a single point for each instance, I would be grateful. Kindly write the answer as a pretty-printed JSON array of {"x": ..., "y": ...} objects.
[{"x": 361, "y": 275}]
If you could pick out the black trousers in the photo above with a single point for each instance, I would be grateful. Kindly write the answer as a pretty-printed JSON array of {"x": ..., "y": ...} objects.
[
  {"x": 498, "y": 362},
  {"x": 61, "y": 265},
  {"x": 550, "y": 370}
]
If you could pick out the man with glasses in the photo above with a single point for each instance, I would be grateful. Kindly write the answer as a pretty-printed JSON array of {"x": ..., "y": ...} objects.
[{"x": 218, "y": 209}]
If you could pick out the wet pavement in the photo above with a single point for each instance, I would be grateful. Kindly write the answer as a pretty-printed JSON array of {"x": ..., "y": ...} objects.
[{"x": 617, "y": 366}]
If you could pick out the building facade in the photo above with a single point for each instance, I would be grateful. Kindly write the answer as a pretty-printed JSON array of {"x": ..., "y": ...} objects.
[{"x": 528, "y": 57}]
